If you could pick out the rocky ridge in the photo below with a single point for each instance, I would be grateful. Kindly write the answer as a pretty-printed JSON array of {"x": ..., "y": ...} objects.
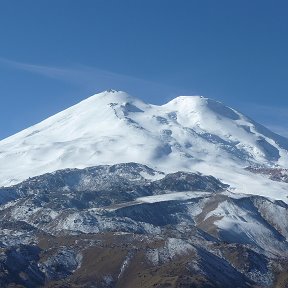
[{"x": 137, "y": 226}]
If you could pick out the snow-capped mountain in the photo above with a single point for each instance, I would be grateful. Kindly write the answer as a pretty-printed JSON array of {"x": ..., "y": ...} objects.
[
  {"x": 189, "y": 133},
  {"x": 121, "y": 193}
]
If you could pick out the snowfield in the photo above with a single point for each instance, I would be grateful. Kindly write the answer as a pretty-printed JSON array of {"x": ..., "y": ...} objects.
[
  {"x": 178, "y": 196},
  {"x": 190, "y": 133}
]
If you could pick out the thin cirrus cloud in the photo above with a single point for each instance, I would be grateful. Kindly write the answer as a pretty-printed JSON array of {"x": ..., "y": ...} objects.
[
  {"x": 280, "y": 111},
  {"x": 273, "y": 117},
  {"x": 93, "y": 78},
  {"x": 283, "y": 131}
]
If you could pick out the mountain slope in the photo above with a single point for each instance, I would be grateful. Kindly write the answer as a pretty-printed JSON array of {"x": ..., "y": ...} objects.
[
  {"x": 188, "y": 194},
  {"x": 188, "y": 133},
  {"x": 127, "y": 225}
]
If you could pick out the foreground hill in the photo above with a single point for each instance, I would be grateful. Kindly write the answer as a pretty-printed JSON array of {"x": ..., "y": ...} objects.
[{"x": 127, "y": 225}]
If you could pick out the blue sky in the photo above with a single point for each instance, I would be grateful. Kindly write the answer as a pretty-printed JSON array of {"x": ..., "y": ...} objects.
[{"x": 56, "y": 53}]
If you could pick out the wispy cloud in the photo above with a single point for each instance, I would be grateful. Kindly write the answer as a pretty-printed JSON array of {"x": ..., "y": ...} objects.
[
  {"x": 273, "y": 117},
  {"x": 281, "y": 130},
  {"x": 52, "y": 72},
  {"x": 93, "y": 78},
  {"x": 275, "y": 110}
]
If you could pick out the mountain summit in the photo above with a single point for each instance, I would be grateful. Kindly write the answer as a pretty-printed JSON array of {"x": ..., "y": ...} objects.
[
  {"x": 189, "y": 133},
  {"x": 202, "y": 205}
]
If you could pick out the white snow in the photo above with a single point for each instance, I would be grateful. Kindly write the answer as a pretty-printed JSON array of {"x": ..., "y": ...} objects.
[
  {"x": 124, "y": 265},
  {"x": 178, "y": 196},
  {"x": 178, "y": 247},
  {"x": 173, "y": 247},
  {"x": 246, "y": 224},
  {"x": 189, "y": 133}
]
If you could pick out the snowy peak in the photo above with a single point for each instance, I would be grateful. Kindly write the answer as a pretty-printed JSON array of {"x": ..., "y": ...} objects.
[
  {"x": 177, "y": 187},
  {"x": 207, "y": 115},
  {"x": 110, "y": 96},
  {"x": 186, "y": 102},
  {"x": 200, "y": 104},
  {"x": 81, "y": 117},
  {"x": 189, "y": 133}
]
